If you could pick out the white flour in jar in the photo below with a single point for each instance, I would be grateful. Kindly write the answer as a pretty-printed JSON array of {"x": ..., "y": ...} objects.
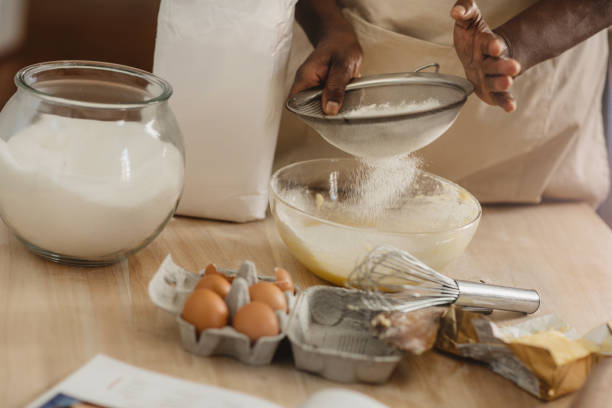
[{"x": 86, "y": 188}]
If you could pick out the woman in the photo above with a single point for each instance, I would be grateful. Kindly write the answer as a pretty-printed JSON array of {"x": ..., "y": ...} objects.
[{"x": 550, "y": 147}]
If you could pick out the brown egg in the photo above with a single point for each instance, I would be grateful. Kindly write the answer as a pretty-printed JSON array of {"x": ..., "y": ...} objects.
[
  {"x": 256, "y": 319},
  {"x": 205, "y": 310},
  {"x": 284, "y": 280},
  {"x": 216, "y": 283},
  {"x": 212, "y": 269},
  {"x": 268, "y": 293}
]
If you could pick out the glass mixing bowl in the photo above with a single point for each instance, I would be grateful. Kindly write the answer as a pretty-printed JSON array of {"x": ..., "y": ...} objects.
[
  {"x": 325, "y": 224},
  {"x": 91, "y": 160}
]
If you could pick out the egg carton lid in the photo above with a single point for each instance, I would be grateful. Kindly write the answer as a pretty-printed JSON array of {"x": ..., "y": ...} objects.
[{"x": 331, "y": 337}]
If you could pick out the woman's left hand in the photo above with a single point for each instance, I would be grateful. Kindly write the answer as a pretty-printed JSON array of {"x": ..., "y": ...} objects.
[{"x": 484, "y": 55}]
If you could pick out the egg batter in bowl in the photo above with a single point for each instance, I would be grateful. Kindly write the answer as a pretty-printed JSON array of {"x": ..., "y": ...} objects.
[{"x": 329, "y": 223}]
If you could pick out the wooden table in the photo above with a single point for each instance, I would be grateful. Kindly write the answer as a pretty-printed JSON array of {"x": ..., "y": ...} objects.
[{"x": 54, "y": 318}]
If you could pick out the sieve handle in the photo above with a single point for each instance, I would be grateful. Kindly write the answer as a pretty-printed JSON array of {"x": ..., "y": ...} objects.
[
  {"x": 424, "y": 67},
  {"x": 497, "y": 297}
]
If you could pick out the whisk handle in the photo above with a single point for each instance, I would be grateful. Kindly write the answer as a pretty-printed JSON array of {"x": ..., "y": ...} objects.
[{"x": 497, "y": 297}]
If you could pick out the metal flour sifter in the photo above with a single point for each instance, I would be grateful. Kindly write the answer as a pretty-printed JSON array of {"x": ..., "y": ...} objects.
[{"x": 405, "y": 119}]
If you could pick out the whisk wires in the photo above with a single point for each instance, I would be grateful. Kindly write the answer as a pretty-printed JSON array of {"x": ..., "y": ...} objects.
[{"x": 396, "y": 280}]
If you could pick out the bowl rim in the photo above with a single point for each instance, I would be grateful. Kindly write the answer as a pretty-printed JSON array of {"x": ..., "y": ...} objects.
[
  {"x": 273, "y": 191},
  {"x": 23, "y": 76}
]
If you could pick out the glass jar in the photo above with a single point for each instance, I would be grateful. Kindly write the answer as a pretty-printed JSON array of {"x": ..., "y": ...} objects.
[{"x": 91, "y": 160}]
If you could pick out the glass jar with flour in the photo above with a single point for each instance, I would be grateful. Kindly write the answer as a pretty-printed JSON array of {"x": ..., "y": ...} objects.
[{"x": 91, "y": 160}]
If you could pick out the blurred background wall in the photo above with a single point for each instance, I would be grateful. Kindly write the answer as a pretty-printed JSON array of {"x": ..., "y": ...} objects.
[{"x": 120, "y": 31}]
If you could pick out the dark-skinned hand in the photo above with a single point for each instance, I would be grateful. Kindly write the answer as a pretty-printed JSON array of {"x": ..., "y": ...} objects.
[
  {"x": 333, "y": 63},
  {"x": 484, "y": 55}
]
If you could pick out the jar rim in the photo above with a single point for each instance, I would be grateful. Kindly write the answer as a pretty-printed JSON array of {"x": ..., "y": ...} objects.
[{"x": 22, "y": 76}]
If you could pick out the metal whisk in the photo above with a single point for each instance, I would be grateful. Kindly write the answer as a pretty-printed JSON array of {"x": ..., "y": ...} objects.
[{"x": 396, "y": 280}]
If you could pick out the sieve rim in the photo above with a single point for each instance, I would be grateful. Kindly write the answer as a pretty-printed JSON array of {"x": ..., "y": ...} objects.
[
  {"x": 276, "y": 194},
  {"x": 296, "y": 102}
]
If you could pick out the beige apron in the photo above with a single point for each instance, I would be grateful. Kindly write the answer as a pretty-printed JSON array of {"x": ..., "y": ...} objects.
[{"x": 552, "y": 147}]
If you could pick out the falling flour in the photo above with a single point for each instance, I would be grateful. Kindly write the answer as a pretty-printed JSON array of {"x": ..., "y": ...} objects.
[
  {"x": 88, "y": 188},
  {"x": 380, "y": 186}
]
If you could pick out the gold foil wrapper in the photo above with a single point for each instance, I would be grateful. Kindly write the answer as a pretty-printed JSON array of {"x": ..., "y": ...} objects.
[{"x": 543, "y": 355}]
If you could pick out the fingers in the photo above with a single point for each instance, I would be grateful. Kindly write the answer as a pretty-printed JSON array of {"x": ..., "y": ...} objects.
[
  {"x": 466, "y": 14},
  {"x": 498, "y": 71},
  {"x": 340, "y": 73},
  {"x": 504, "y": 100},
  {"x": 492, "y": 46},
  {"x": 501, "y": 66},
  {"x": 357, "y": 71},
  {"x": 498, "y": 83},
  {"x": 495, "y": 91},
  {"x": 300, "y": 85},
  {"x": 498, "y": 79},
  {"x": 308, "y": 76},
  {"x": 464, "y": 10}
]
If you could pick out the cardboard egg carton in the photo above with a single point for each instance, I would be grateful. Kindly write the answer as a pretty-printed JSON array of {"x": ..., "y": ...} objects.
[
  {"x": 330, "y": 335},
  {"x": 172, "y": 285},
  {"x": 327, "y": 327}
]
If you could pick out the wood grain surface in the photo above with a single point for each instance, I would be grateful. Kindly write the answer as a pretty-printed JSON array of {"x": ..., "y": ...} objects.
[{"x": 54, "y": 318}]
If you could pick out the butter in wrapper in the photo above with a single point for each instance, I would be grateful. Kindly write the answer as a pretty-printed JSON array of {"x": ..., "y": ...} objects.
[{"x": 542, "y": 355}]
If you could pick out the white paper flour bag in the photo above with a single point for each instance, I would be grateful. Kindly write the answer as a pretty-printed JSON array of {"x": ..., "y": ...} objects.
[
  {"x": 226, "y": 60},
  {"x": 12, "y": 24}
]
